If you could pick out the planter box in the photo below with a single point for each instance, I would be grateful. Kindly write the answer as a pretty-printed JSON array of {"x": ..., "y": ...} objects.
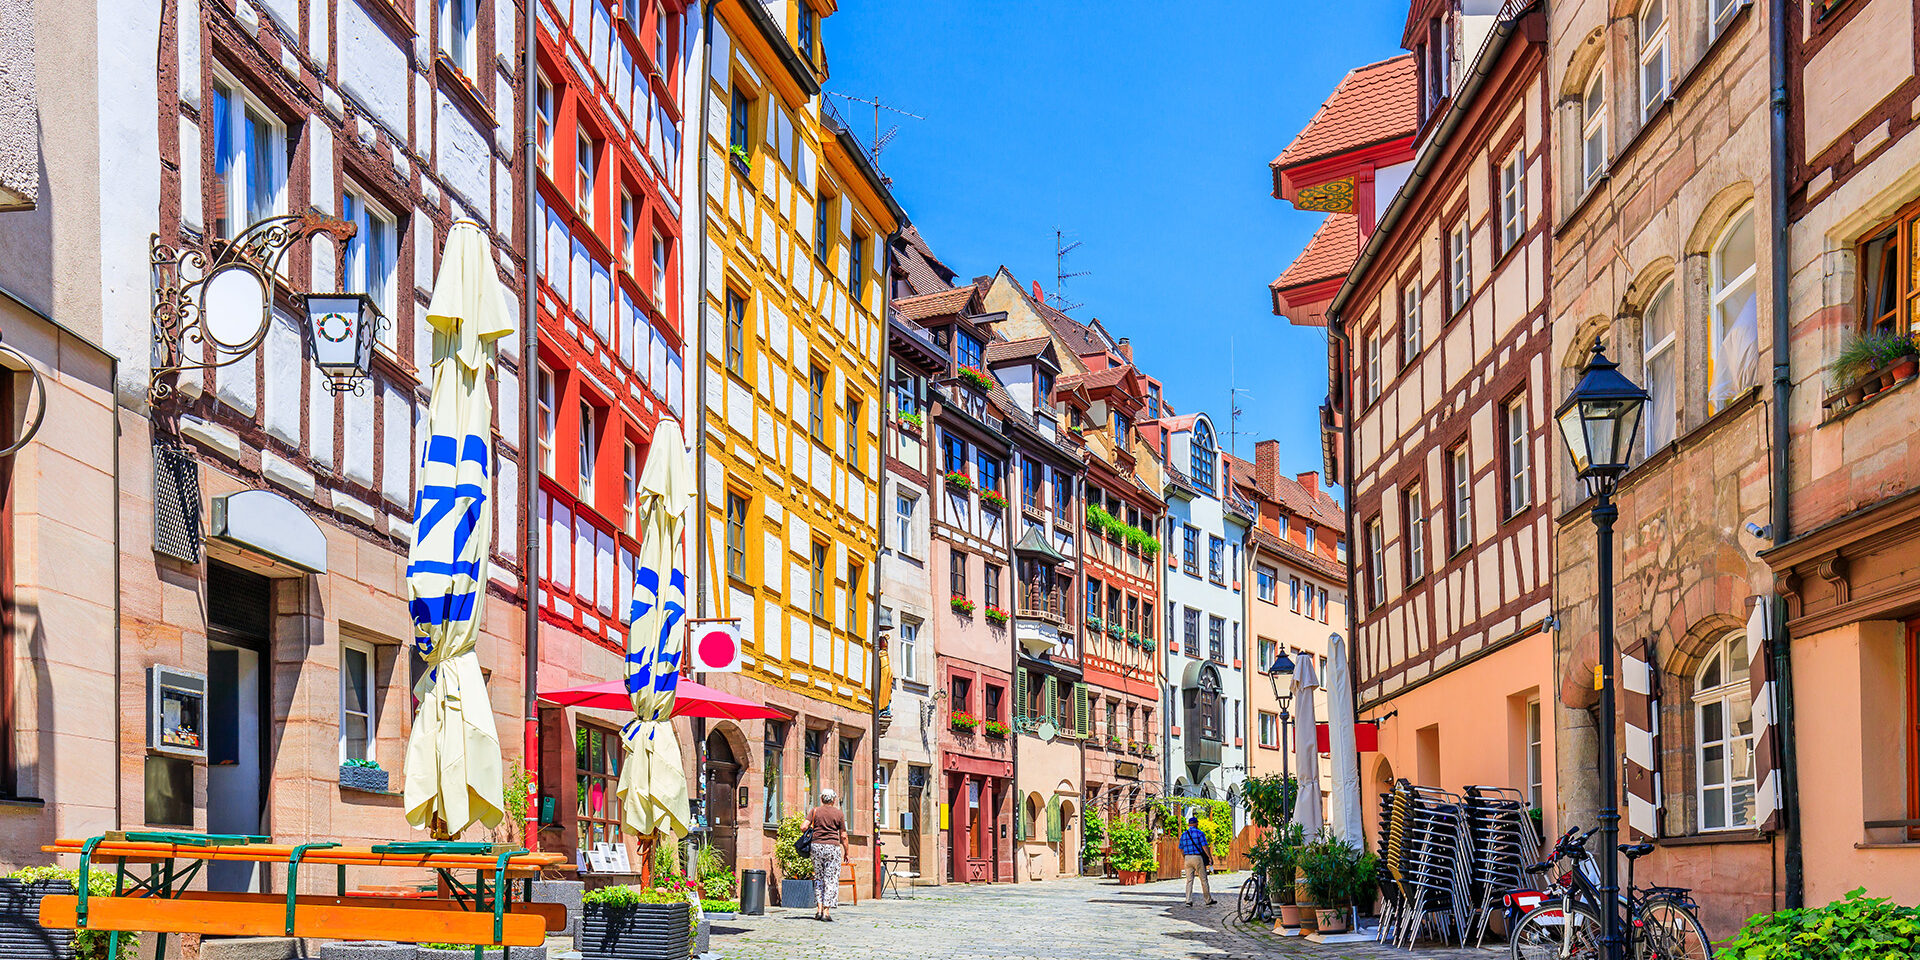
[
  {"x": 21, "y": 935},
  {"x": 1331, "y": 920},
  {"x": 796, "y": 893},
  {"x": 1129, "y": 878},
  {"x": 648, "y": 931},
  {"x": 369, "y": 779}
]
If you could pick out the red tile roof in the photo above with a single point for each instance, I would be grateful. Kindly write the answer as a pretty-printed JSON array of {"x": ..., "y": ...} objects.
[
  {"x": 942, "y": 303},
  {"x": 1096, "y": 379},
  {"x": 923, "y": 271},
  {"x": 1329, "y": 255},
  {"x": 1002, "y": 351},
  {"x": 1372, "y": 104}
]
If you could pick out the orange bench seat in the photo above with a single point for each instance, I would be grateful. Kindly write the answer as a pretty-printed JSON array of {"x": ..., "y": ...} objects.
[{"x": 332, "y": 918}]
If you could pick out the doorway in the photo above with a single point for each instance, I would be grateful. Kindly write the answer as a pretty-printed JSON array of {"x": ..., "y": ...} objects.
[
  {"x": 239, "y": 619},
  {"x": 1069, "y": 851},
  {"x": 911, "y": 825},
  {"x": 723, "y": 814}
]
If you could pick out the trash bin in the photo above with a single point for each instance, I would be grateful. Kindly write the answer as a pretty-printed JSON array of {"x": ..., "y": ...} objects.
[{"x": 753, "y": 893}]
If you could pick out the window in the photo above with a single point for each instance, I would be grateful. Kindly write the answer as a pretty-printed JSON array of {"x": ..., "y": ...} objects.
[
  {"x": 456, "y": 33},
  {"x": 960, "y": 697},
  {"x": 1113, "y": 719},
  {"x": 804, "y": 37},
  {"x": 1373, "y": 367},
  {"x": 1410, "y": 322},
  {"x": 1414, "y": 509},
  {"x": 856, "y": 265},
  {"x": 1593, "y": 129},
  {"x": 1535, "y": 775},
  {"x": 823, "y": 227},
  {"x": 953, "y": 453},
  {"x": 662, "y": 48},
  {"x": 1733, "y": 346},
  {"x": 812, "y": 745},
  {"x": 1032, "y": 481},
  {"x": 818, "y": 562},
  {"x": 630, "y": 489},
  {"x": 1309, "y": 536},
  {"x": 1269, "y": 730},
  {"x": 817, "y": 403},
  {"x": 1720, "y": 13},
  {"x": 359, "y": 697},
  {"x": 544, "y": 108},
  {"x": 903, "y": 508},
  {"x": 544, "y": 390},
  {"x": 736, "y": 536},
  {"x": 1657, "y": 366},
  {"x": 629, "y": 225},
  {"x": 1886, "y": 284},
  {"x": 736, "y": 333},
  {"x": 1203, "y": 455},
  {"x": 850, "y": 428},
  {"x": 589, "y": 450},
  {"x": 249, "y": 161},
  {"x": 968, "y": 350},
  {"x": 1460, "y": 497},
  {"x": 990, "y": 577},
  {"x": 1190, "y": 545},
  {"x": 1190, "y": 631},
  {"x": 1323, "y": 605},
  {"x": 1093, "y": 598},
  {"x": 1062, "y": 496},
  {"x": 1216, "y": 559},
  {"x": 661, "y": 253},
  {"x": 1268, "y": 650},
  {"x": 856, "y": 619},
  {"x": 598, "y": 751},
  {"x": 1283, "y": 526},
  {"x": 1376, "y": 568},
  {"x": 882, "y": 794},
  {"x": 772, "y": 776},
  {"x": 1723, "y": 735},
  {"x": 1459, "y": 267},
  {"x": 1293, "y": 591},
  {"x": 990, "y": 702},
  {"x": 1513, "y": 198},
  {"x": 1653, "y": 57},
  {"x": 1269, "y": 580},
  {"x": 585, "y": 157},
  {"x": 1119, "y": 430},
  {"x": 1519, "y": 460},
  {"x": 740, "y": 126},
  {"x": 1216, "y": 638},
  {"x": 372, "y": 253},
  {"x": 990, "y": 470},
  {"x": 957, "y": 574},
  {"x": 907, "y": 660}
]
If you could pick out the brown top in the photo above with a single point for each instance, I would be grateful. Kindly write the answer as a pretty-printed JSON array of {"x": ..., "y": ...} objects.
[{"x": 829, "y": 825}]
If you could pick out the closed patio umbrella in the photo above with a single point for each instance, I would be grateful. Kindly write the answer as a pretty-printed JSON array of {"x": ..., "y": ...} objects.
[
  {"x": 653, "y": 786},
  {"x": 453, "y": 775},
  {"x": 1344, "y": 753},
  {"x": 1306, "y": 749}
]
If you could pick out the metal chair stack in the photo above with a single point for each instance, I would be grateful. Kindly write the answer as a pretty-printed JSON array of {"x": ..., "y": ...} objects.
[
  {"x": 1395, "y": 805},
  {"x": 1428, "y": 858},
  {"x": 1504, "y": 843}
]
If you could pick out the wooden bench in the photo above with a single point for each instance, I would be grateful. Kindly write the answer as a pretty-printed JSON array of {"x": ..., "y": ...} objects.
[{"x": 333, "y": 918}]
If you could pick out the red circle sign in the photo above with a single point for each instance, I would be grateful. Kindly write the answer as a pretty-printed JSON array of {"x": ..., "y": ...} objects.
[{"x": 716, "y": 648}]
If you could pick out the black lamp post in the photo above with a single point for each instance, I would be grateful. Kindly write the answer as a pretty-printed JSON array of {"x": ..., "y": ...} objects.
[
  {"x": 1283, "y": 667},
  {"x": 1598, "y": 421}
]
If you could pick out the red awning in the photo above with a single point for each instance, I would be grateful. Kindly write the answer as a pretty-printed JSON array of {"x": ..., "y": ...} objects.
[
  {"x": 1366, "y": 736},
  {"x": 690, "y": 700}
]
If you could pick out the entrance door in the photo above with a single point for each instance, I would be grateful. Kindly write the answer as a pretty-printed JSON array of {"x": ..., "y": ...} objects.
[
  {"x": 238, "y": 618},
  {"x": 723, "y": 813},
  {"x": 916, "y": 805}
]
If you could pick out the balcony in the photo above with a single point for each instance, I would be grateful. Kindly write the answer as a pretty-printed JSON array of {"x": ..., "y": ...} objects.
[
  {"x": 1037, "y": 603},
  {"x": 969, "y": 399}
]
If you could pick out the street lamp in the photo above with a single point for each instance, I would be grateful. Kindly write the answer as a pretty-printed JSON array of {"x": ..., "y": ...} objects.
[
  {"x": 1282, "y": 666},
  {"x": 1598, "y": 421}
]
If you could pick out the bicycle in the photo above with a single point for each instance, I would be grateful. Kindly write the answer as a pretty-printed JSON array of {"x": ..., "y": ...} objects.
[
  {"x": 1254, "y": 904},
  {"x": 1661, "y": 923}
]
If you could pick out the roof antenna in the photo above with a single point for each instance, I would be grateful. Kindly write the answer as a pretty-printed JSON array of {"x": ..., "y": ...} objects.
[
  {"x": 1060, "y": 273},
  {"x": 880, "y": 139},
  {"x": 1234, "y": 410}
]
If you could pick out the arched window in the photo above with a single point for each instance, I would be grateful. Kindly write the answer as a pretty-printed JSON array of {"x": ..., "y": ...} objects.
[
  {"x": 1723, "y": 735},
  {"x": 1593, "y": 129},
  {"x": 1733, "y": 342},
  {"x": 1653, "y": 56},
  {"x": 1203, "y": 455},
  {"x": 1659, "y": 368}
]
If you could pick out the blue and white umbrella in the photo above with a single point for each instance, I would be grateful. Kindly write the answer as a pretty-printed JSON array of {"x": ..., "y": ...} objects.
[{"x": 653, "y": 785}]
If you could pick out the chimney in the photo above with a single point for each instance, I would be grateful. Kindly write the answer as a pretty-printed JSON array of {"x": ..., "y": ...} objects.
[
  {"x": 1310, "y": 480},
  {"x": 1125, "y": 349},
  {"x": 1266, "y": 465}
]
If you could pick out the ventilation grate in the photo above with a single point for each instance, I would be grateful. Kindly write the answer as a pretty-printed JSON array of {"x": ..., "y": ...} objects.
[{"x": 176, "y": 503}]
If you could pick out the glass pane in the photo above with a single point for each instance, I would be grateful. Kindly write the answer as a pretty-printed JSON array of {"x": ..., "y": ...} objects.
[
  {"x": 597, "y": 762},
  {"x": 1740, "y": 752},
  {"x": 1713, "y": 765},
  {"x": 1710, "y": 675},
  {"x": 597, "y": 798},
  {"x": 580, "y": 794},
  {"x": 1713, "y": 727},
  {"x": 354, "y": 692},
  {"x": 1743, "y": 804},
  {"x": 1652, "y": 17},
  {"x": 1739, "y": 665},
  {"x": 356, "y": 734},
  {"x": 1736, "y": 250},
  {"x": 1713, "y": 809}
]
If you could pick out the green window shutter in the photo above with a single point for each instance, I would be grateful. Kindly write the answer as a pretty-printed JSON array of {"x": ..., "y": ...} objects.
[
  {"x": 1019, "y": 695},
  {"x": 1052, "y": 708},
  {"x": 1019, "y": 820},
  {"x": 1082, "y": 718},
  {"x": 1054, "y": 831}
]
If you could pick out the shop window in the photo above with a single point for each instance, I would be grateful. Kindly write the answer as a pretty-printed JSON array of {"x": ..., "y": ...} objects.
[
  {"x": 772, "y": 776},
  {"x": 597, "y": 755},
  {"x": 1723, "y": 735}
]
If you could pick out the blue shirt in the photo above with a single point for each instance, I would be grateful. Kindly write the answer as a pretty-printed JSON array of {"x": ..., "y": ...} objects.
[{"x": 1193, "y": 843}]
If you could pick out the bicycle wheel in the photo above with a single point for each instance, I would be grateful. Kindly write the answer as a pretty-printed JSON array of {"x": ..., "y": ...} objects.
[
  {"x": 1540, "y": 935},
  {"x": 1253, "y": 895},
  {"x": 1668, "y": 930}
]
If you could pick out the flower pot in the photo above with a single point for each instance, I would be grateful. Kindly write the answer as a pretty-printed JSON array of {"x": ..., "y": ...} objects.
[
  {"x": 21, "y": 935},
  {"x": 368, "y": 779},
  {"x": 1129, "y": 878},
  {"x": 1331, "y": 919},
  {"x": 796, "y": 893},
  {"x": 1290, "y": 916},
  {"x": 1905, "y": 367},
  {"x": 646, "y": 931}
]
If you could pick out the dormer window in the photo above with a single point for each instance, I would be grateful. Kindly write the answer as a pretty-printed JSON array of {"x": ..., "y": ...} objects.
[
  {"x": 1435, "y": 66},
  {"x": 1044, "y": 381},
  {"x": 1203, "y": 456}
]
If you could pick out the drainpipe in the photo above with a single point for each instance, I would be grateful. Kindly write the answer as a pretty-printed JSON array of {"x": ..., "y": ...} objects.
[
  {"x": 1782, "y": 434},
  {"x": 1338, "y": 332},
  {"x": 697, "y": 196},
  {"x": 530, "y": 421},
  {"x": 879, "y": 554}
]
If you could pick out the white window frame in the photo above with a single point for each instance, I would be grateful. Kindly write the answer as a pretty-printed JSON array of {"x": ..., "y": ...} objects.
[
  {"x": 1720, "y": 13},
  {"x": 243, "y": 106},
  {"x": 1513, "y": 198},
  {"x": 1593, "y": 129},
  {"x": 1536, "y": 780},
  {"x": 1733, "y": 689},
  {"x": 376, "y": 229},
  {"x": 904, "y": 507},
  {"x": 1728, "y": 293},
  {"x": 661, "y": 52},
  {"x": 546, "y": 108},
  {"x": 585, "y": 173},
  {"x": 1416, "y": 510},
  {"x": 1310, "y": 530},
  {"x": 1293, "y": 593},
  {"x": 1460, "y": 497},
  {"x": 1656, "y": 74},
  {"x": 1269, "y": 729},
  {"x": 629, "y": 225},
  {"x": 1267, "y": 581},
  {"x": 1659, "y": 352},
  {"x": 1410, "y": 332},
  {"x": 373, "y": 696},
  {"x": 882, "y": 794},
  {"x": 1376, "y": 568},
  {"x": 1373, "y": 367},
  {"x": 545, "y": 389},
  {"x": 1459, "y": 266},
  {"x": 907, "y": 652},
  {"x": 458, "y": 26},
  {"x": 662, "y": 253},
  {"x": 589, "y": 451},
  {"x": 1519, "y": 454},
  {"x": 630, "y": 489}
]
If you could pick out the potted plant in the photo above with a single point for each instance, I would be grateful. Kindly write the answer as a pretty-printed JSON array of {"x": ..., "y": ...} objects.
[
  {"x": 961, "y": 605},
  {"x": 963, "y": 722},
  {"x": 1093, "y": 844},
  {"x": 1147, "y": 644},
  {"x": 975, "y": 377},
  {"x": 796, "y": 871},
  {"x": 996, "y": 616},
  {"x": 365, "y": 775},
  {"x": 1899, "y": 357},
  {"x": 26, "y": 939},
  {"x": 914, "y": 420},
  {"x": 992, "y": 498},
  {"x": 1331, "y": 867},
  {"x": 628, "y": 923},
  {"x": 741, "y": 158},
  {"x": 996, "y": 729},
  {"x": 957, "y": 480},
  {"x": 1132, "y": 849}
]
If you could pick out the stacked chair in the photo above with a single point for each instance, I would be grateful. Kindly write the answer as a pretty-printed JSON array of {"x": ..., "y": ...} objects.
[
  {"x": 1503, "y": 844},
  {"x": 1427, "y": 860}
]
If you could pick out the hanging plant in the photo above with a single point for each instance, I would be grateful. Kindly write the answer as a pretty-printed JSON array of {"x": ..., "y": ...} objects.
[
  {"x": 961, "y": 605},
  {"x": 1099, "y": 519},
  {"x": 975, "y": 377},
  {"x": 958, "y": 481}
]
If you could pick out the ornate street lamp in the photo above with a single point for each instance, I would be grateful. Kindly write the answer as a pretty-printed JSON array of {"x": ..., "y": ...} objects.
[
  {"x": 340, "y": 331},
  {"x": 1282, "y": 666},
  {"x": 1598, "y": 421}
]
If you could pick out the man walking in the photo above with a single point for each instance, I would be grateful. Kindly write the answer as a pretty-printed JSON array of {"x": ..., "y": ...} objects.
[{"x": 1198, "y": 851}]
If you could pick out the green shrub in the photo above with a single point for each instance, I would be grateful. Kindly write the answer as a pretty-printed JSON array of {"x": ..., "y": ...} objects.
[
  {"x": 720, "y": 906},
  {"x": 792, "y": 865},
  {"x": 87, "y": 944},
  {"x": 626, "y": 896},
  {"x": 1270, "y": 799},
  {"x": 1858, "y": 927},
  {"x": 1132, "y": 844},
  {"x": 716, "y": 878},
  {"x": 1332, "y": 869},
  {"x": 1093, "y": 841}
]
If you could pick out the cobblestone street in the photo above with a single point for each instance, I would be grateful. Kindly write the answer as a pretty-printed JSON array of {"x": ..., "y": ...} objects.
[{"x": 1080, "y": 919}]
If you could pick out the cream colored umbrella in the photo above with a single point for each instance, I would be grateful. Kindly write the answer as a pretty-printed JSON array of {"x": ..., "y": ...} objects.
[
  {"x": 653, "y": 785},
  {"x": 453, "y": 757},
  {"x": 1306, "y": 749}
]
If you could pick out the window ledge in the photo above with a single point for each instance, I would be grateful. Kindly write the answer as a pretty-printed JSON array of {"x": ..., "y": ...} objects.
[
  {"x": 1909, "y": 845},
  {"x": 1836, "y": 415},
  {"x": 1708, "y": 839},
  {"x": 350, "y": 789},
  {"x": 462, "y": 91},
  {"x": 23, "y": 803}
]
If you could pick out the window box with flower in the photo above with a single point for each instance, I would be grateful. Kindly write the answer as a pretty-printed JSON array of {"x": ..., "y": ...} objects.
[
  {"x": 363, "y": 775},
  {"x": 1147, "y": 644},
  {"x": 996, "y": 616},
  {"x": 1116, "y": 631},
  {"x": 912, "y": 422},
  {"x": 958, "y": 481},
  {"x": 963, "y": 722},
  {"x": 993, "y": 499},
  {"x": 961, "y": 605},
  {"x": 975, "y": 378},
  {"x": 995, "y": 729},
  {"x": 1869, "y": 364}
]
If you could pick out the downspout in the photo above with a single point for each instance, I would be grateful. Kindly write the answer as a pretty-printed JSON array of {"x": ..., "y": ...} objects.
[
  {"x": 879, "y": 554},
  {"x": 530, "y": 421},
  {"x": 1337, "y": 330},
  {"x": 1782, "y": 435},
  {"x": 698, "y": 197}
]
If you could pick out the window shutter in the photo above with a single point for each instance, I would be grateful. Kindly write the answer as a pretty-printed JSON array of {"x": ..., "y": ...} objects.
[
  {"x": 1019, "y": 820},
  {"x": 1051, "y": 710},
  {"x": 1082, "y": 719},
  {"x": 1053, "y": 820},
  {"x": 1019, "y": 696}
]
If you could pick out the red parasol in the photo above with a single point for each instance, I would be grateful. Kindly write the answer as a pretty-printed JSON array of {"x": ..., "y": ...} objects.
[{"x": 690, "y": 700}]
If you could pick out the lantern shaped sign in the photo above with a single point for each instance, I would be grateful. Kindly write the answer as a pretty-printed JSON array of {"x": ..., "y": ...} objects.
[
  {"x": 340, "y": 331},
  {"x": 715, "y": 647}
]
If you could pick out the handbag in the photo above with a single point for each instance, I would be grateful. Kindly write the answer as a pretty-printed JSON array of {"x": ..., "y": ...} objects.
[{"x": 803, "y": 844}]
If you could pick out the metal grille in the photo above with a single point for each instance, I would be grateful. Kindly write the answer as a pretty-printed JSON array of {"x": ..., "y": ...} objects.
[
  {"x": 176, "y": 503},
  {"x": 239, "y": 602}
]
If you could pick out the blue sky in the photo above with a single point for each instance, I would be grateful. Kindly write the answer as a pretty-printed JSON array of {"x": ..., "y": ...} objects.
[{"x": 1142, "y": 130}]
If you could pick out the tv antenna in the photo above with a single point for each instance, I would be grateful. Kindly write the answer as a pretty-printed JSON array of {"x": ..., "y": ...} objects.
[
  {"x": 1060, "y": 272},
  {"x": 1234, "y": 410},
  {"x": 880, "y": 138}
]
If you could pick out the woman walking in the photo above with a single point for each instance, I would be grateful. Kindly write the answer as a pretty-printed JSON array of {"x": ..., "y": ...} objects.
[{"x": 829, "y": 827}]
